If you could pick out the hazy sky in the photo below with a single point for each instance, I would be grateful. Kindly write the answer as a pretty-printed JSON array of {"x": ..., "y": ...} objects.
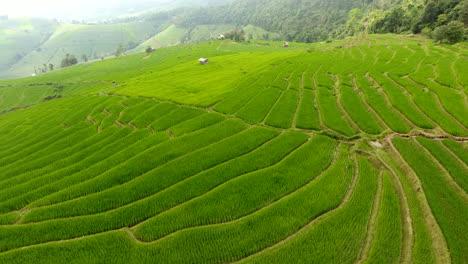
[{"x": 72, "y": 9}]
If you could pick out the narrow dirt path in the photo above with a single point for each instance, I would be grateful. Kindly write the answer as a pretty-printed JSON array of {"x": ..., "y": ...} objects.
[
  {"x": 389, "y": 103},
  {"x": 341, "y": 108},
  {"x": 299, "y": 103},
  {"x": 90, "y": 120},
  {"x": 277, "y": 100},
  {"x": 454, "y": 72},
  {"x": 411, "y": 99},
  {"x": 406, "y": 254},
  {"x": 171, "y": 135},
  {"x": 377, "y": 117},
  {"x": 438, "y": 102},
  {"x": 251, "y": 98},
  {"x": 99, "y": 129},
  {"x": 444, "y": 173},
  {"x": 372, "y": 223},
  {"x": 132, "y": 126},
  {"x": 426, "y": 135},
  {"x": 319, "y": 113},
  {"x": 151, "y": 129},
  {"x": 439, "y": 244}
]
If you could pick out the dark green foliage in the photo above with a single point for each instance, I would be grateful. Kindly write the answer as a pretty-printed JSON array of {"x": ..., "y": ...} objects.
[{"x": 69, "y": 60}]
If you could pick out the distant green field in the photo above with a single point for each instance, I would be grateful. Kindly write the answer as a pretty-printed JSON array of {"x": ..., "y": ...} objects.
[
  {"x": 346, "y": 152},
  {"x": 18, "y": 37},
  {"x": 94, "y": 41},
  {"x": 171, "y": 36}
]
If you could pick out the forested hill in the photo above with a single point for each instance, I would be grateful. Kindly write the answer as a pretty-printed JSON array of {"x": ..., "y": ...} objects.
[{"x": 319, "y": 20}]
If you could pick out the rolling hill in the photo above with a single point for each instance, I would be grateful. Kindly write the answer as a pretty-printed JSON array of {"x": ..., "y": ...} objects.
[
  {"x": 346, "y": 152},
  {"x": 93, "y": 41}
]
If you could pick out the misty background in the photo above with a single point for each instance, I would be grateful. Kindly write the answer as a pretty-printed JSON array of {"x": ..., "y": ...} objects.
[{"x": 92, "y": 10}]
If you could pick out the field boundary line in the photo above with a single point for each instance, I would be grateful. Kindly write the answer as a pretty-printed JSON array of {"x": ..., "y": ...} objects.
[
  {"x": 235, "y": 95},
  {"x": 272, "y": 165},
  {"x": 406, "y": 253},
  {"x": 250, "y": 100},
  {"x": 110, "y": 168},
  {"x": 299, "y": 103},
  {"x": 339, "y": 104},
  {"x": 270, "y": 204},
  {"x": 438, "y": 101},
  {"x": 454, "y": 72},
  {"x": 31, "y": 175},
  {"x": 277, "y": 100},
  {"x": 389, "y": 102},
  {"x": 444, "y": 173},
  {"x": 149, "y": 171},
  {"x": 371, "y": 110},
  {"x": 316, "y": 104},
  {"x": 371, "y": 222},
  {"x": 330, "y": 213},
  {"x": 439, "y": 244},
  {"x": 224, "y": 183},
  {"x": 11, "y": 177},
  {"x": 411, "y": 100},
  {"x": 146, "y": 150},
  {"x": 116, "y": 153},
  {"x": 453, "y": 154}
]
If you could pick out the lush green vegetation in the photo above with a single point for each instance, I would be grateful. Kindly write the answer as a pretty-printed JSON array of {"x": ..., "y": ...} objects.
[{"x": 343, "y": 152}]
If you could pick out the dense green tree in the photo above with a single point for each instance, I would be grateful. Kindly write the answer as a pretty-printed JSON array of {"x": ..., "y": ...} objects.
[
  {"x": 354, "y": 21},
  {"x": 120, "y": 50},
  {"x": 451, "y": 33},
  {"x": 440, "y": 33},
  {"x": 455, "y": 32},
  {"x": 69, "y": 60},
  {"x": 236, "y": 35}
]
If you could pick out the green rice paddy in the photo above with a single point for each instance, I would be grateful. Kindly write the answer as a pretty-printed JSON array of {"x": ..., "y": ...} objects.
[{"x": 347, "y": 152}]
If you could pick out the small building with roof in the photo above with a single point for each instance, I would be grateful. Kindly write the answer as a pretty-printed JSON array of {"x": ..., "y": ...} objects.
[{"x": 203, "y": 61}]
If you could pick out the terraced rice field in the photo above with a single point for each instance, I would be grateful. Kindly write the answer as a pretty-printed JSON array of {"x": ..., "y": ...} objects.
[{"x": 349, "y": 152}]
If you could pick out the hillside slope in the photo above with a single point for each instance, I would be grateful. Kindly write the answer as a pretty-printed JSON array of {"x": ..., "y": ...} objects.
[
  {"x": 353, "y": 151},
  {"x": 18, "y": 37},
  {"x": 93, "y": 41}
]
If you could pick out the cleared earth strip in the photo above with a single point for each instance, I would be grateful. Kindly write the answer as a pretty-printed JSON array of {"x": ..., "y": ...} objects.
[
  {"x": 28, "y": 207},
  {"x": 371, "y": 223},
  {"x": 389, "y": 103},
  {"x": 437, "y": 99},
  {"x": 149, "y": 197},
  {"x": 299, "y": 104},
  {"x": 370, "y": 108},
  {"x": 211, "y": 108},
  {"x": 277, "y": 100},
  {"x": 411, "y": 100},
  {"x": 428, "y": 136},
  {"x": 408, "y": 231},
  {"x": 445, "y": 174},
  {"x": 457, "y": 79},
  {"x": 263, "y": 144},
  {"x": 149, "y": 171},
  {"x": 251, "y": 98},
  {"x": 439, "y": 244},
  {"x": 343, "y": 203},
  {"x": 272, "y": 203},
  {"x": 340, "y": 106},
  {"x": 453, "y": 154},
  {"x": 145, "y": 151},
  {"x": 320, "y": 118}
]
